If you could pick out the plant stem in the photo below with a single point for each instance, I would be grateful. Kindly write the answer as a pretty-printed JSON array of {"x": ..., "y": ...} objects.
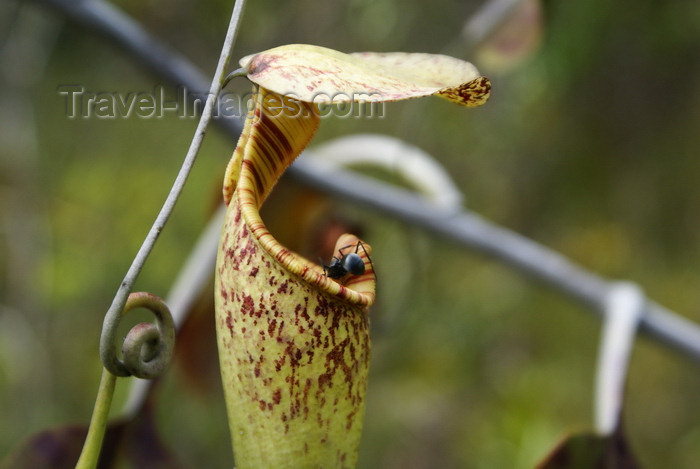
[
  {"x": 113, "y": 314},
  {"x": 98, "y": 423}
]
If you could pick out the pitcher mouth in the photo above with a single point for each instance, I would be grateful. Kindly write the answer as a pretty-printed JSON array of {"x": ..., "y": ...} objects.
[
  {"x": 355, "y": 289},
  {"x": 268, "y": 145}
]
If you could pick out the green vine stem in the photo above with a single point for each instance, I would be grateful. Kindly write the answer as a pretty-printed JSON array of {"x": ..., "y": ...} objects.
[
  {"x": 146, "y": 352},
  {"x": 98, "y": 423}
]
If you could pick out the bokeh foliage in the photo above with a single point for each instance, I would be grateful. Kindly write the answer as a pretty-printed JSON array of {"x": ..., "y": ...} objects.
[{"x": 589, "y": 147}]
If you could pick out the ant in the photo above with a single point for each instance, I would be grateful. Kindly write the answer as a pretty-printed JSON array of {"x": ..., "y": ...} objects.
[{"x": 350, "y": 263}]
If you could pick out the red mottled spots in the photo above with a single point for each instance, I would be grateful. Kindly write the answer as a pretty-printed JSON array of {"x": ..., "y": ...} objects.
[
  {"x": 254, "y": 272},
  {"x": 277, "y": 396},
  {"x": 305, "y": 396},
  {"x": 229, "y": 323},
  {"x": 283, "y": 288},
  {"x": 247, "y": 305},
  {"x": 350, "y": 419},
  {"x": 324, "y": 380},
  {"x": 279, "y": 333},
  {"x": 294, "y": 409}
]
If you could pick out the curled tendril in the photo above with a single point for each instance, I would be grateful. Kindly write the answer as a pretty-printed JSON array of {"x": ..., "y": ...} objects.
[{"x": 147, "y": 348}]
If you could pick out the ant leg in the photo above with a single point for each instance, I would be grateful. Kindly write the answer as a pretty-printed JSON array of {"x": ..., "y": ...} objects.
[
  {"x": 357, "y": 247},
  {"x": 360, "y": 243}
]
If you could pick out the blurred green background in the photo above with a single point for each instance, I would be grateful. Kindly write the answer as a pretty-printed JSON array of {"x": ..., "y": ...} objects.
[{"x": 588, "y": 145}]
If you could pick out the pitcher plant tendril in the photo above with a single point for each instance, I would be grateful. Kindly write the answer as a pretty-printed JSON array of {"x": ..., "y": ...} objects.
[
  {"x": 147, "y": 350},
  {"x": 112, "y": 315},
  {"x": 293, "y": 339},
  {"x": 147, "y": 347}
]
